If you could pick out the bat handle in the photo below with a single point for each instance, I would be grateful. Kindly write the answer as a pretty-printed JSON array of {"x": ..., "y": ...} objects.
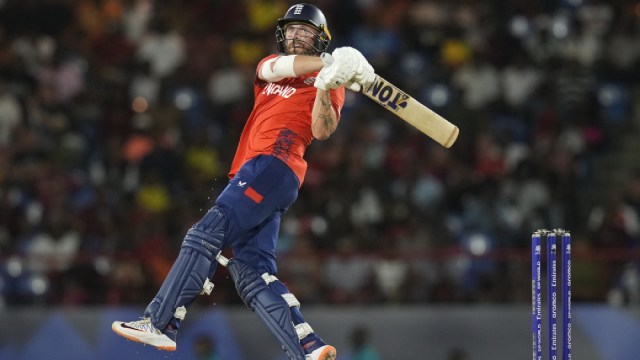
[{"x": 326, "y": 58}]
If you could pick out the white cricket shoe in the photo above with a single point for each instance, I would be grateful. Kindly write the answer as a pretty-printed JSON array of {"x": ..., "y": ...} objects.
[
  {"x": 324, "y": 352},
  {"x": 143, "y": 331}
]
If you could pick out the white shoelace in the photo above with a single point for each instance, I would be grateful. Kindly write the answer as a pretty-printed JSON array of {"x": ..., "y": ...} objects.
[{"x": 143, "y": 325}]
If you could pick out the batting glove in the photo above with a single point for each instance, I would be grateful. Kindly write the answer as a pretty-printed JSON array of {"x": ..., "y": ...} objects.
[
  {"x": 334, "y": 73},
  {"x": 364, "y": 74}
]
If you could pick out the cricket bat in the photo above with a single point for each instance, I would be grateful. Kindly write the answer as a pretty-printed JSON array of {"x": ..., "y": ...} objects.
[{"x": 413, "y": 112}]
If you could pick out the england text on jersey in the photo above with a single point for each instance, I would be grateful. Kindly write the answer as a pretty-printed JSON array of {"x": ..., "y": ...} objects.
[{"x": 285, "y": 91}]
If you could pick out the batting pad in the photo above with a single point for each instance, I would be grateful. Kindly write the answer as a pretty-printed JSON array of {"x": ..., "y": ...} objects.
[
  {"x": 270, "y": 306},
  {"x": 194, "y": 265}
]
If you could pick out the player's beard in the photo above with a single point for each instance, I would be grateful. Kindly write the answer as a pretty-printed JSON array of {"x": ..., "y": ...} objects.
[{"x": 299, "y": 47}]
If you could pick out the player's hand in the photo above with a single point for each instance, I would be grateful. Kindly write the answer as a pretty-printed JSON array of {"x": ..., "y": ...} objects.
[
  {"x": 323, "y": 75},
  {"x": 364, "y": 74},
  {"x": 334, "y": 73}
]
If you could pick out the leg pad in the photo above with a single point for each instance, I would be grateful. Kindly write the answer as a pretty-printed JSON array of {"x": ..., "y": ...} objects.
[
  {"x": 270, "y": 306},
  {"x": 191, "y": 270}
]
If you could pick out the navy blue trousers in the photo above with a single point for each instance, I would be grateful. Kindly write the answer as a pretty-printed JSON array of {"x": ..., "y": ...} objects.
[{"x": 254, "y": 201}]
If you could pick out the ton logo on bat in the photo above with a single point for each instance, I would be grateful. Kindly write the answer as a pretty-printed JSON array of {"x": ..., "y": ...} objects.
[{"x": 384, "y": 92}]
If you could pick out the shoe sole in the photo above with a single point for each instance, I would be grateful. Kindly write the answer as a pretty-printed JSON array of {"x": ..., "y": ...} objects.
[
  {"x": 329, "y": 353},
  {"x": 116, "y": 328}
]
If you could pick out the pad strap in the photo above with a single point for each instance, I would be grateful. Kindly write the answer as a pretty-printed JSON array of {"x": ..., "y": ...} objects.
[
  {"x": 268, "y": 278},
  {"x": 303, "y": 330},
  {"x": 180, "y": 313},
  {"x": 291, "y": 300},
  {"x": 207, "y": 288}
]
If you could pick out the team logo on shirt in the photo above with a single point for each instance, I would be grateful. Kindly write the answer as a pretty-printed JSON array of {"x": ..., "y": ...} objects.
[{"x": 285, "y": 91}]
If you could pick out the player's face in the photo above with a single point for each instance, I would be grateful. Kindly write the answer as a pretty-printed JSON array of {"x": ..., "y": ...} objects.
[{"x": 299, "y": 39}]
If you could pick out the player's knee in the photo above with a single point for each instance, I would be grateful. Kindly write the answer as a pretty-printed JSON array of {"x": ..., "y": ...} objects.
[
  {"x": 207, "y": 235},
  {"x": 247, "y": 281}
]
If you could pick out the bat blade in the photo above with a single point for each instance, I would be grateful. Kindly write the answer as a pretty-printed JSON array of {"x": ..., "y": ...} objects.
[{"x": 412, "y": 111}]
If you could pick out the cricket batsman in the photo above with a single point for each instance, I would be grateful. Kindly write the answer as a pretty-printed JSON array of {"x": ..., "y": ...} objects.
[{"x": 299, "y": 94}]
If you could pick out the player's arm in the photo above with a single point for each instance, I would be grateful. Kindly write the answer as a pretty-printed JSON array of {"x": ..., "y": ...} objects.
[
  {"x": 286, "y": 66},
  {"x": 350, "y": 69},
  {"x": 324, "y": 118}
]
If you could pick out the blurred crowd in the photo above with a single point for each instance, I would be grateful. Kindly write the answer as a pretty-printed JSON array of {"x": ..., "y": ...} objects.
[{"x": 119, "y": 119}]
